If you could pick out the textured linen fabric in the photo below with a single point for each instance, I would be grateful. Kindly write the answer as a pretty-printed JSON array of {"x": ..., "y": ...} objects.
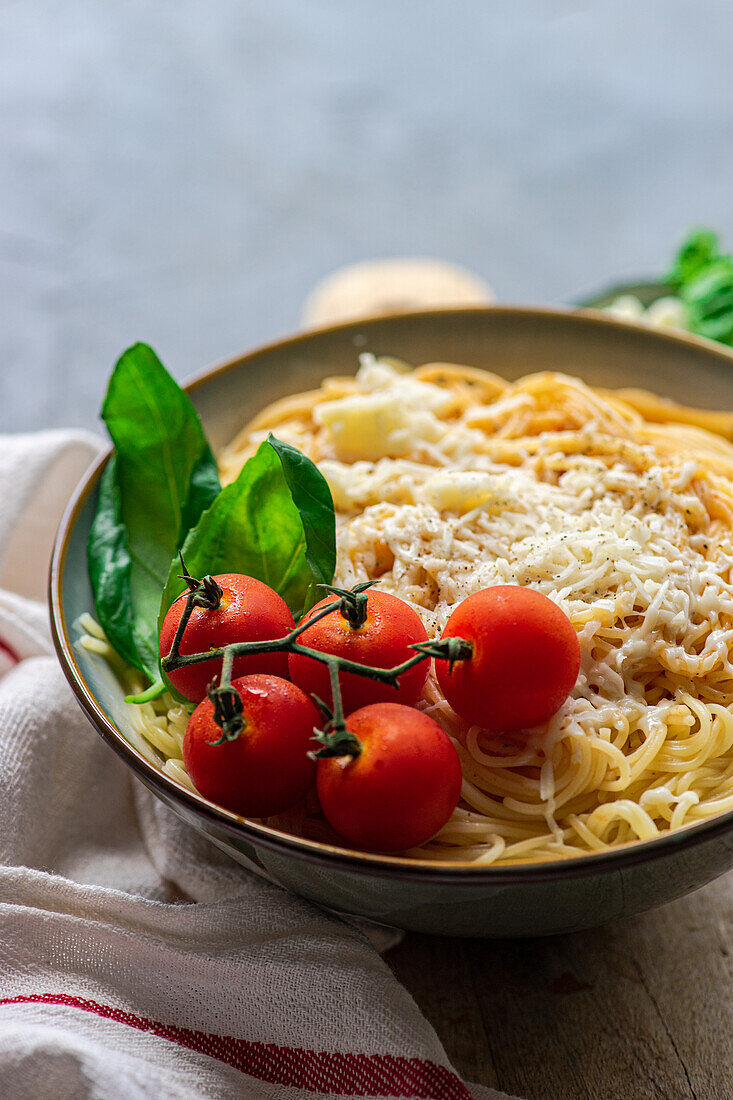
[{"x": 136, "y": 960}]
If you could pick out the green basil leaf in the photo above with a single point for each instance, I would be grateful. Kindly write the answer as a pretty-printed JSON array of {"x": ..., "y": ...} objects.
[
  {"x": 256, "y": 526},
  {"x": 699, "y": 249},
  {"x": 709, "y": 300},
  {"x": 110, "y": 564},
  {"x": 164, "y": 477},
  {"x": 312, "y": 497},
  {"x": 703, "y": 277}
]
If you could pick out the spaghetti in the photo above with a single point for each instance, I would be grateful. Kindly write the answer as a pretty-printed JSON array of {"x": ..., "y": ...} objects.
[{"x": 618, "y": 506}]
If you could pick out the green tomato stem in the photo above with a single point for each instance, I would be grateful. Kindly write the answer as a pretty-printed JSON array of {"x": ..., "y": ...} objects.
[
  {"x": 148, "y": 695},
  {"x": 226, "y": 668},
  {"x": 336, "y": 738},
  {"x": 228, "y": 703}
]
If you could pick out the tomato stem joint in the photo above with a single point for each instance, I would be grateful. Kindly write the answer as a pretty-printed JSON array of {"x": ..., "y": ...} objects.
[
  {"x": 228, "y": 712},
  {"x": 335, "y": 739},
  {"x": 446, "y": 649},
  {"x": 204, "y": 593},
  {"x": 352, "y": 602}
]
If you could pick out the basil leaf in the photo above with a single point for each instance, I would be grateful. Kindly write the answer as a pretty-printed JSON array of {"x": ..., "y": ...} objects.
[
  {"x": 698, "y": 250},
  {"x": 312, "y": 497},
  {"x": 164, "y": 476},
  {"x": 709, "y": 300},
  {"x": 109, "y": 564},
  {"x": 703, "y": 277},
  {"x": 266, "y": 525}
]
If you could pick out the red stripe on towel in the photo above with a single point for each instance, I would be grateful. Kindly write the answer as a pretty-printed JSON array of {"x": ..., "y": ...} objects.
[
  {"x": 9, "y": 652},
  {"x": 384, "y": 1075}
]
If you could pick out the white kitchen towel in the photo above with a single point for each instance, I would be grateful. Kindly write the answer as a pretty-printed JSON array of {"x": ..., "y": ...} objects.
[{"x": 137, "y": 961}]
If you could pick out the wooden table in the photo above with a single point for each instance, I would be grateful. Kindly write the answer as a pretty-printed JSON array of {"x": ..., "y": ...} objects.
[{"x": 641, "y": 1008}]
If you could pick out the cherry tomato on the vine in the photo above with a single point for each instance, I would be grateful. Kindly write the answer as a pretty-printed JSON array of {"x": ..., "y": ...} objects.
[
  {"x": 525, "y": 660},
  {"x": 250, "y": 611},
  {"x": 383, "y": 641},
  {"x": 266, "y": 768},
  {"x": 401, "y": 788}
]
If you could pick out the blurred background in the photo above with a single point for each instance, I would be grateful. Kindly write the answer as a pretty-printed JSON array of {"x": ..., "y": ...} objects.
[{"x": 184, "y": 173}]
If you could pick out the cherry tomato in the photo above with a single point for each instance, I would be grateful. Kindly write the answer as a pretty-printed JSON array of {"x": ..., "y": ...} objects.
[
  {"x": 391, "y": 626},
  {"x": 266, "y": 769},
  {"x": 525, "y": 661},
  {"x": 250, "y": 611},
  {"x": 403, "y": 786}
]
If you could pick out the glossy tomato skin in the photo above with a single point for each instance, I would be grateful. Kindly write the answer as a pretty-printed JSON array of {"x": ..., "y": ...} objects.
[
  {"x": 250, "y": 611},
  {"x": 266, "y": 769},
  {"x": 526, "y": 658},
  {"x": 401, "y": 789},
  {"x": 383, "y": 641}
]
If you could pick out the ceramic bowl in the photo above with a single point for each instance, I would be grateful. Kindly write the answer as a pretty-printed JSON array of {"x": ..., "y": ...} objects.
[
  {"x": 452, "y": 899},
  {"x": 647, "y": 293}
]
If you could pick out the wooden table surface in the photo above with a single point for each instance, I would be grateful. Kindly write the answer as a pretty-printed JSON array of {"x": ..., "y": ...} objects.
[{"x": 641, "y": 1008}]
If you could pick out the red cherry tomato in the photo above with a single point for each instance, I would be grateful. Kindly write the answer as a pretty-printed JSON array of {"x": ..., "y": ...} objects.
[
  {"x": 250, "y": 611},
  {"x": 266, "y": 769},
  {"x": 383, "y": 641},
  {"x": 403, "y": 786},
  {"x": 525, "y": 662}
]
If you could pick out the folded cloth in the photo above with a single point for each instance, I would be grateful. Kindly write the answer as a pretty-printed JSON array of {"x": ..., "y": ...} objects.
[{"x": 135, "y": 959}]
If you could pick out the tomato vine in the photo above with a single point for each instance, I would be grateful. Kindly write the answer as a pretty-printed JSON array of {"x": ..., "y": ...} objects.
[{"x": 335, "y": 739}]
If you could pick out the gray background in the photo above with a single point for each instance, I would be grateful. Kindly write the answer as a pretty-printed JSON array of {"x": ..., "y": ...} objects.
[{"x": 183, "y": 172}]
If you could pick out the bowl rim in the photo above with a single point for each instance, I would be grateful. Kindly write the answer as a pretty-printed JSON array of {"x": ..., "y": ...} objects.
[
  {"x": 318, "y": 852},
  {"x": 628, "y": 286}
]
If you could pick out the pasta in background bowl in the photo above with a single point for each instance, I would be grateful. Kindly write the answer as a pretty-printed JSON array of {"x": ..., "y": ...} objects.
[{"x": 586, "y": 496}]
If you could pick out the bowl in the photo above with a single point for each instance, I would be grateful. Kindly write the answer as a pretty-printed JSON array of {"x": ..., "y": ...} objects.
[
  {"x": 444, "y": 898},
  {"x": 647, "y": 292}
]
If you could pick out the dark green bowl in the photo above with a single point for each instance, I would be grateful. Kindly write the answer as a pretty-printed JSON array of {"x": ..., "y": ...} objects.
[
  {"x": 647, "y": 292},
  {"x": 453, "y": 899}
]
